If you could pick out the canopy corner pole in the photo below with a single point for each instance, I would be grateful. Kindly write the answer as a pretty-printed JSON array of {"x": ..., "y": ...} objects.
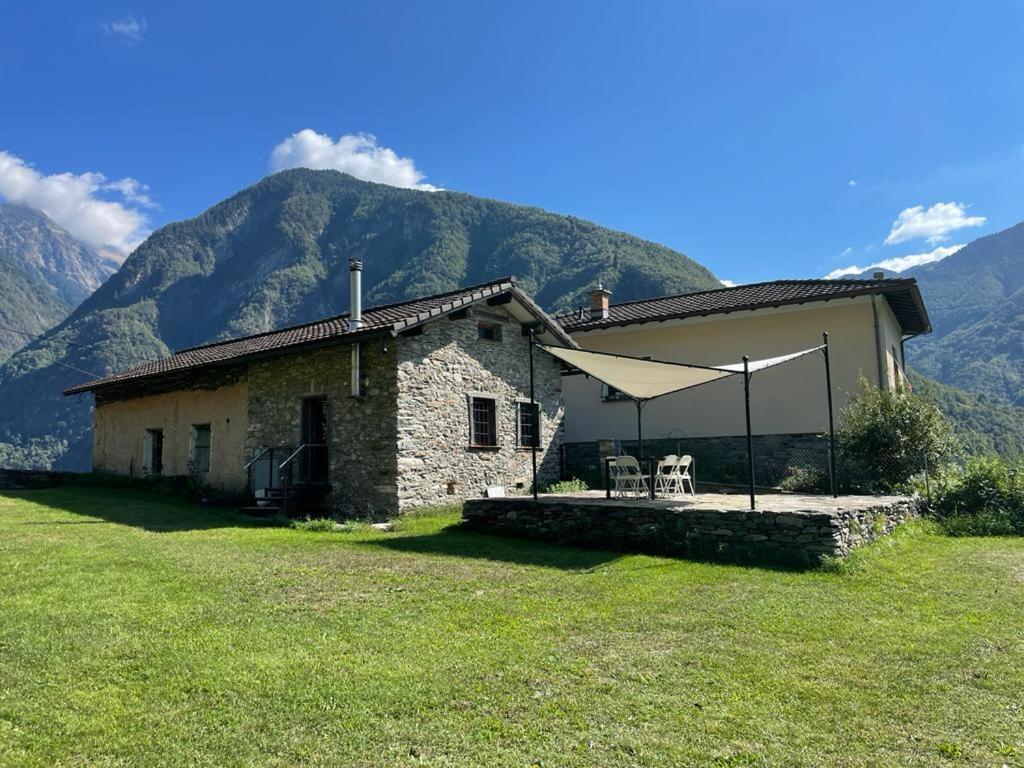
[
  {"x": 535, "y": 417},
  {"x": 639, "y": 429},
  {"x": 750, "y": 441},
  {"x": 831, "y": 420}
]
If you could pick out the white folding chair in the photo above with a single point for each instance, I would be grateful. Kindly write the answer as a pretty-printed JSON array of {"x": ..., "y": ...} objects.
[
  {"x": 629, "y": 480},
  {"x": 685, "y": 472},
  {"x": 666, "y": 478}
]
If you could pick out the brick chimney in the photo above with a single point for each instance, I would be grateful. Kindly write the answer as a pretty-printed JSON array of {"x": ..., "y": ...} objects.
[{"x": 599, "y": 303}]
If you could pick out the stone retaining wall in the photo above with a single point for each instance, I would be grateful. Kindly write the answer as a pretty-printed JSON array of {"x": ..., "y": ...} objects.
[
  {"x": 721, "y": 459},
  {"x": 796, "y": 537}
]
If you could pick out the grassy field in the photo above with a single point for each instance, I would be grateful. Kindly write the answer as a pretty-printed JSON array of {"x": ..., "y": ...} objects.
[{"x": 138, "y": 630}]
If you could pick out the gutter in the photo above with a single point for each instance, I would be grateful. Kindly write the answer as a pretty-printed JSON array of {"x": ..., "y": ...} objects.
[{"x": 878, "y": 343}]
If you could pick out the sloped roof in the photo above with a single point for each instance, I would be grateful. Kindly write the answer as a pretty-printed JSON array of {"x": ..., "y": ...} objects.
[
  {"x": 389, "y": 319},
  {"x": 902, "y": 294}
]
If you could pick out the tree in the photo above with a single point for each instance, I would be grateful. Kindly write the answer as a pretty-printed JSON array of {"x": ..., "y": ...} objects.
[{"x": 885, "y": 436}]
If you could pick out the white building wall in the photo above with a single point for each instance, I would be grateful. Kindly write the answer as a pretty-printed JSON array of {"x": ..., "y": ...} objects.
[{"x": 785, "y": 400}]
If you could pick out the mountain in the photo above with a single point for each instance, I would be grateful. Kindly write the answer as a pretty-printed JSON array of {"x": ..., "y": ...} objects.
[
  {"x": 984, "y": 423},
  {"x": 975, "y": 298},
  {"x": 46, "y": 252},
  {"x": 276, "y": 254},
  {"x": 28, "y": 307},
  {"x": 44, "y": 274}
]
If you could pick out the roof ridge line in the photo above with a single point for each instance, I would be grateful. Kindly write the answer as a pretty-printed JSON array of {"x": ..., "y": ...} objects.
[
  {"x": 785, "y": 280},
  {"x": 329, "y": 318}
]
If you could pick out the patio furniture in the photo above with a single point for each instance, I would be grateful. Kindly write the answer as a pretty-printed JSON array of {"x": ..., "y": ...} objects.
[
  {"x": 673, "y": 475},
  {"x": 627, "y": 477},
  {"x": 666, "y": 479},
  {"x": 686, "y": 472}
]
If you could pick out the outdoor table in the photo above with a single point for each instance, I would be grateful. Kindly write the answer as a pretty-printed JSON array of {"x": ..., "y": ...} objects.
[{"x": 650, "y": 462}]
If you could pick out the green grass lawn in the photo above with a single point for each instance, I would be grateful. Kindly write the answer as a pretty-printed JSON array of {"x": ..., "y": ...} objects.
[{"x": 139, "y": 630}]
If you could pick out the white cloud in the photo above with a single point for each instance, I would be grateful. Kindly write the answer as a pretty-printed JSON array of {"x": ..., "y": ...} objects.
[
  {"x": 897, "y": 263},
  {"x": 934, "y": 224},
  {"x": 128, "y": 30},
  {"x": 728, "y": 283},
  {"x": 851, "y": 183},
  {"x": 76, "y": 202},
  {"x": 846, "y": 252},
  {"x": 356, "y": 153}
]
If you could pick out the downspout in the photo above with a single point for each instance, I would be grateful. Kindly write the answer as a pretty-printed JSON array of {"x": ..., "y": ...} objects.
[{"x": 878, "y": 345}]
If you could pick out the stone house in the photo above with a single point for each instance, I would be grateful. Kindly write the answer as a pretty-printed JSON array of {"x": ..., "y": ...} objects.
[
  {"x": 409, "y": 404},
  {"x": 868, "y": 322}
]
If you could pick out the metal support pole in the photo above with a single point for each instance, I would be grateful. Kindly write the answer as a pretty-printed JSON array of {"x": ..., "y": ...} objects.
[
  {"x": 831, "y": 420},
  {"x": 639, "y": 430},
  {"x": 535, "y": 418},
  {"x": 750, "y": 441}
]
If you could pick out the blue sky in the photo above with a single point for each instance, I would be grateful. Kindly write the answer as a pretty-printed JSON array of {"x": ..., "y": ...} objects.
[{"x": 764, "y": 140}]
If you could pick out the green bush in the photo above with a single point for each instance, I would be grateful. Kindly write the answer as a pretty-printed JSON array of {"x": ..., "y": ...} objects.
[
  {"x": 800, "y": 479},
  {"x": 884, "y": 437},
  {"x": 574, "y": 485},
  {"x": 986, "y": 498}
]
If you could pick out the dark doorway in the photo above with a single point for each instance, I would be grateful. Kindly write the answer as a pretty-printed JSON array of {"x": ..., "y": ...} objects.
[
  {"x": 155, "y": 449},
  {"x": 314, "y": 437}
]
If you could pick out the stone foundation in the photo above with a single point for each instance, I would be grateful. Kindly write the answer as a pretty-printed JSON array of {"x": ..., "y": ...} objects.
[
  {"x": 720, "y": 459},
  {"x": 790, "y": 535}
]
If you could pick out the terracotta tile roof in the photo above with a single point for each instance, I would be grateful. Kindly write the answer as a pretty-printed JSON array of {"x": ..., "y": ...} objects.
[
  {"x": 388, "y": 318},
  {"x": 901, "y": 293}
]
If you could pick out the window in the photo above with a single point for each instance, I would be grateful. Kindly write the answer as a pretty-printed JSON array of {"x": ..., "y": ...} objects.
[
  {"x": 529, "y": 435},
  {"x": 611, "y": 393},
  {"x": 199, "y": 448},
  {"x": 153, "y": 451},
  {"x": 488, "y": 331},
  {"x": 483, "y": 431}
]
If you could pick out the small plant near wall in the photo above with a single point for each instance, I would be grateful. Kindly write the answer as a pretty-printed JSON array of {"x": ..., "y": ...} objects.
[{"x": 573, "y": 485}]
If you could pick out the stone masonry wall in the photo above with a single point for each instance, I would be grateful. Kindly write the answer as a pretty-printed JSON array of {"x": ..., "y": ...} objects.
[
  {"x": 362, "y": 432},
  {"x": 437, "y": 372},
  {"x": 795, "y": 537},
  {"x": 716, "y": 459}
]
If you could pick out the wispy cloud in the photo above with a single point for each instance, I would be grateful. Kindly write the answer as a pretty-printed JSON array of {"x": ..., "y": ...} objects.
[
  {"x": 358, "y": 154},
  {"x": 852, "y": 183},
  {"x": 933, "y": 224},
  {"x": 728, "y": 283},
  {"x": 897, "y": 263},
  {"x": 80, "y": 203},
  {"x": 128, "y": 30}
]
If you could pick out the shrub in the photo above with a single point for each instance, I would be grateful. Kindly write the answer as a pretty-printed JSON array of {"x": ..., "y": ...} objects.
[
  {"x": 884, "y": 437},
  {"x": 574, "y": 485},
  {"x": 805, "y": 479},
  {"x": 986, "y": 498}
]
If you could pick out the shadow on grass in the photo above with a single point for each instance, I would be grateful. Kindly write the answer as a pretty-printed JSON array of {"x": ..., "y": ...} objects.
[
  {"x": 458, "y": 541},
  {"x": 148, "y": 510}
]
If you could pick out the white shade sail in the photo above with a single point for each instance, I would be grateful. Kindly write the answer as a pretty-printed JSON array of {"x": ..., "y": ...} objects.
[{"x": 647, "y": 379}]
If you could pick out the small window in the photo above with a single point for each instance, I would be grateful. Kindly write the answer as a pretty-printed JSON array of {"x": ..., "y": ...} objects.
[
  {"x": 153, "y": 451},
  {"x": 611, "y": 393},
  {"x": 528, "y": 433},
  {"x": 488, "y": 331},
  {"x": 199, "y": 453},
  {"x": 483, "y": 430}
]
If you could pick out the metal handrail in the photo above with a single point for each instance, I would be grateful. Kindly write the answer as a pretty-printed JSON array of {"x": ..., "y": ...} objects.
[
  {"x": 297, "y": 450},
  {"x": 258, "y": 456}
]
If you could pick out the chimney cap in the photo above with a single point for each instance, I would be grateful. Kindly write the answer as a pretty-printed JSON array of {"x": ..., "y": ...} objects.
[{"x": 355, "y": 264}]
